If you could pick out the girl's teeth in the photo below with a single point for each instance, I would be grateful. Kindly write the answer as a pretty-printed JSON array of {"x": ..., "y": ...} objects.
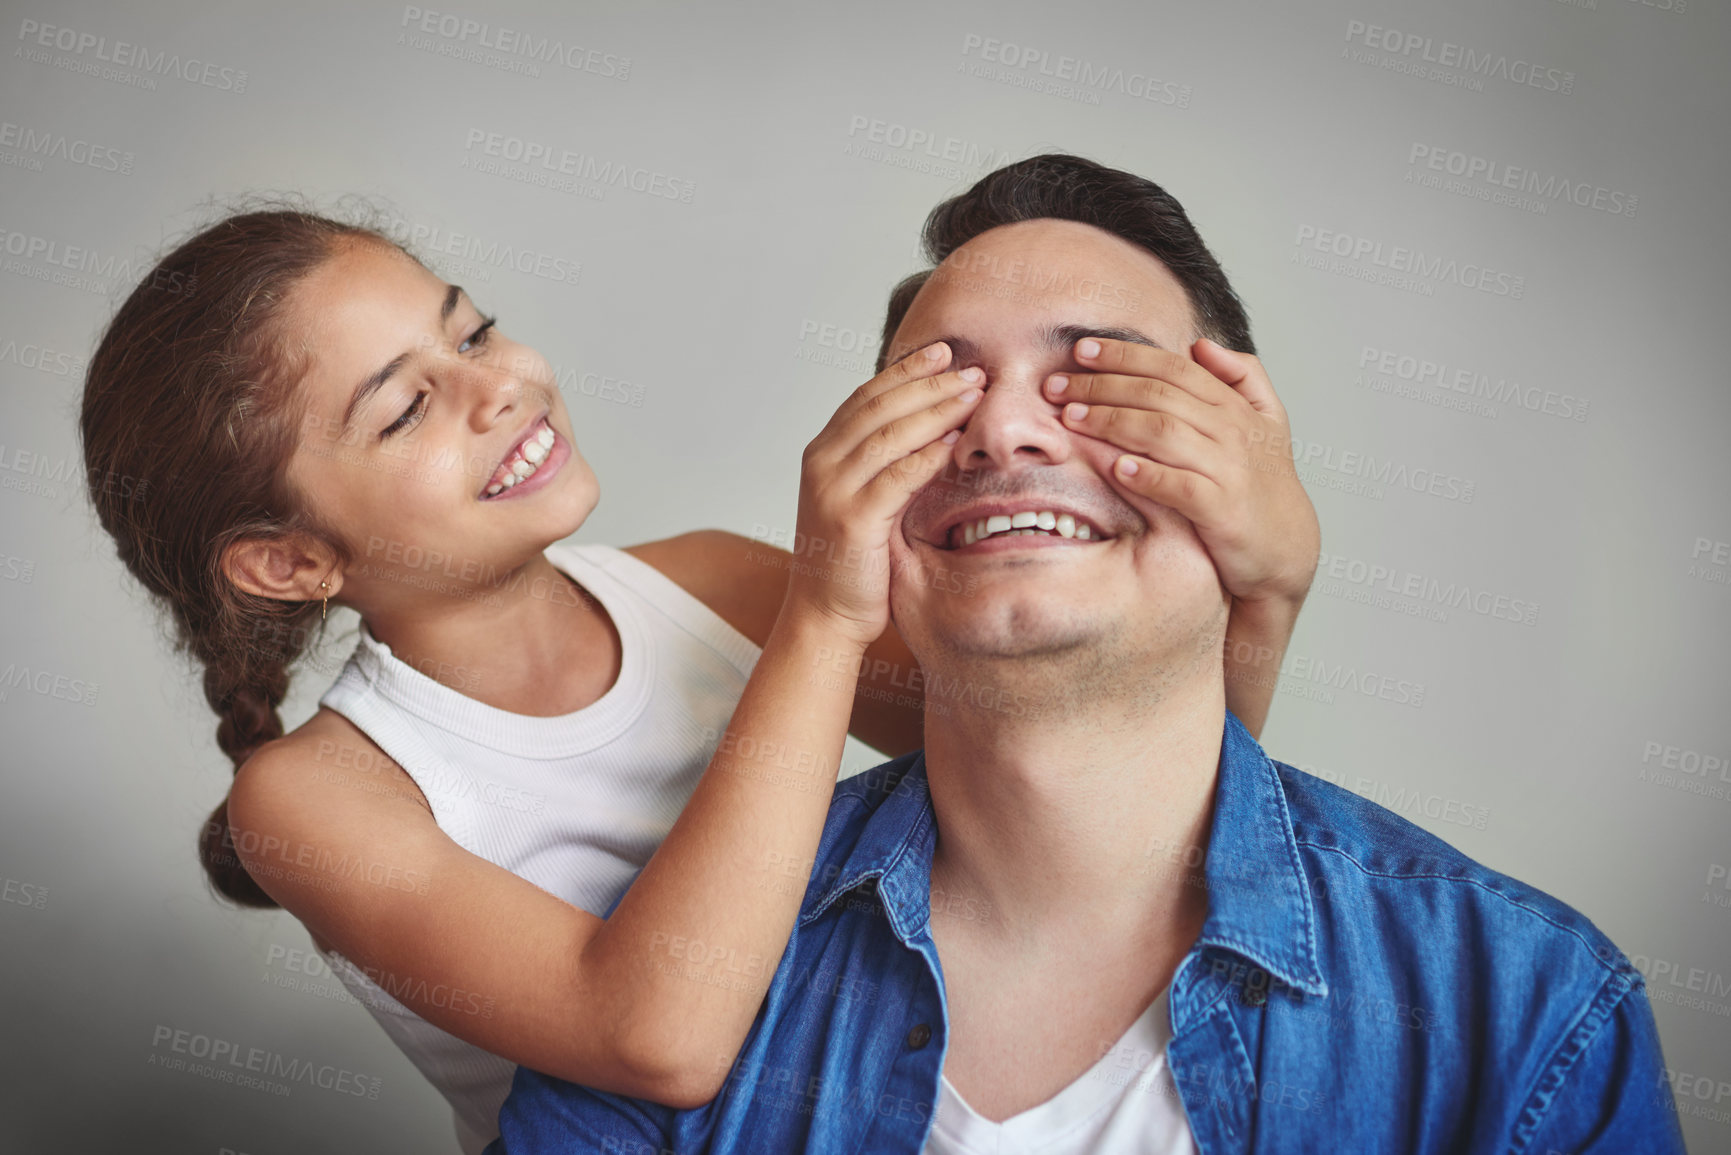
[
  {"x": 525, "y": 461},
  {"x": 1066, "y": 525}
]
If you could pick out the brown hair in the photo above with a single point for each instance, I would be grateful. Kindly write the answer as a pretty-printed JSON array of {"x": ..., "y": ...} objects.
[
  {"x": 190, "y": 402},
  {"x": 1071, "y": 188}
]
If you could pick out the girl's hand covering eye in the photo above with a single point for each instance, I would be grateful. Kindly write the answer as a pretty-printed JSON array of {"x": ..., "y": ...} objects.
[
  {"x": 1209, "y": 439},
  {"x": 891, "y": 436}
]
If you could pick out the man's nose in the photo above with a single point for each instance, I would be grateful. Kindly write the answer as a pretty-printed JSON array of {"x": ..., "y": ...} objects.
[{"x": 1013, "y": 425}]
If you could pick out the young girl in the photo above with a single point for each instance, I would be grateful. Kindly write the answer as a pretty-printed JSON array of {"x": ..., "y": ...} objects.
[{"x": 525, "y": 726}]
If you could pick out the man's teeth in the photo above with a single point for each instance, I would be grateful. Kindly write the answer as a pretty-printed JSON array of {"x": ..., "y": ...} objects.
[
  {"x": 521, "y": 465},
  {"x": 1026, "y": 522}
]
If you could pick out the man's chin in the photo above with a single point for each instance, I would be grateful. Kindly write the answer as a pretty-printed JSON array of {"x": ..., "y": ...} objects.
[{"x": 1005, "y": 633}]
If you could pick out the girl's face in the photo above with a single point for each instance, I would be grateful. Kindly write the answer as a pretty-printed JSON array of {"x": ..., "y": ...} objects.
[{"x": 416, "y": 407}]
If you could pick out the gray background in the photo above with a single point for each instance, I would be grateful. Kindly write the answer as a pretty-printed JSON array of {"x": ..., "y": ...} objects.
[{"x": 1272, "y": 123}]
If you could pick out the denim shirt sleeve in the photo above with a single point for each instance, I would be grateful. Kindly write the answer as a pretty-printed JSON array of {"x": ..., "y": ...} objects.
[
  {"x": 544, "y": 1114},
  {"x": 1606, "y": 1092},
  {"x": 547, "y": 1114}
]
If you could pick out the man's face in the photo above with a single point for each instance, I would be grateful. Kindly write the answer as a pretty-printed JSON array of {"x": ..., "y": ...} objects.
[{"x": 1139, "y": 584}]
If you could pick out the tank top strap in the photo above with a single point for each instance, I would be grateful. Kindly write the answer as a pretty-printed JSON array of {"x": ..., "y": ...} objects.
[{"x": 667, "y": 596}]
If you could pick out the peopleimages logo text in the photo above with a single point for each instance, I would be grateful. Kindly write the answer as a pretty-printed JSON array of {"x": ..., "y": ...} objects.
[
  {"x": 229, "y": 1059},
  {"x": 1447, "y": 54},
  {"x": 516, "y": 42},
  {"x": 1072, "y": 72},
  {"x": 1472, "y": 167},
  {"x": 37, "y": 142},
  {"x": 124, "y": 54},
  {"x": 1413, "y": 262},
  {"x": 579, "y": 165}
]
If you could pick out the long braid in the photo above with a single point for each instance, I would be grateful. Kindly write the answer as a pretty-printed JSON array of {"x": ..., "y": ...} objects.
[{"x": 189, "y": 403}]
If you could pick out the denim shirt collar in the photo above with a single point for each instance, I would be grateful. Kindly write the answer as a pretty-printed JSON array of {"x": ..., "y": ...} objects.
[
  {"x": 1259, "y": 904},
  {"x": 894, "y": 848}
]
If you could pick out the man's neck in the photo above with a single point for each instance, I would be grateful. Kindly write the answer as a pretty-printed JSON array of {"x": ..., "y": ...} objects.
[
  {"x": 1060, "y": 905},
  {"x": 1076, "y": 817}
]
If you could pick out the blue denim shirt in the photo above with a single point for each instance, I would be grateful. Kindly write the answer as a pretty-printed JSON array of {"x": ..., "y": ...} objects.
[{"x": 1358, "y": 986}]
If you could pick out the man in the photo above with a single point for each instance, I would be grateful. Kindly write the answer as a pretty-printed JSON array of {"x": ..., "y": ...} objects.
[{"x": 1001, "y": 947}]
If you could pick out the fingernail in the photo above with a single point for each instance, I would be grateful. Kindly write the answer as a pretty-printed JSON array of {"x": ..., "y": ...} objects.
[
  {"x": 933, "y": 352},
  {"x": 950, "y": 437},
  {"x": 972, "y": 395},
  {"x": 1127, "y": 466},
  {"x": 974, "y": 374},
  {"x": 1058, "y": 383},
  {"x": 1076, "y": 411},
  {"x": 1088, "y": 348}
]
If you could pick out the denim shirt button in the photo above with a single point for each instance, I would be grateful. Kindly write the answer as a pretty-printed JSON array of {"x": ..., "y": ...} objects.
[{"x": 919, "y": 1036}]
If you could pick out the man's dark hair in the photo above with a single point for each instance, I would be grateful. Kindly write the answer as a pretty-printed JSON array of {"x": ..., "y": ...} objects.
[{"x": 1071, "y": 188}]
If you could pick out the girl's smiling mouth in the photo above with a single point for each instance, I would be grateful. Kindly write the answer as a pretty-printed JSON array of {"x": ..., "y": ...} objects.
[{"x": 535, "y": 458}]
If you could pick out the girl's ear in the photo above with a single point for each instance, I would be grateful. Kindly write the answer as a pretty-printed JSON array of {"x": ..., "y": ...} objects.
[{"x": 288, "y": 569}]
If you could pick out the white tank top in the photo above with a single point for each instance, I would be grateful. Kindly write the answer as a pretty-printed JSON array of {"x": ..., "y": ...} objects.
[{"x": 576, "y": 804}]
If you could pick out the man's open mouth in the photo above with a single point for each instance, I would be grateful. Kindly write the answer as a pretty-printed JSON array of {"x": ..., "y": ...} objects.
[{"x": 975, "y": 527}]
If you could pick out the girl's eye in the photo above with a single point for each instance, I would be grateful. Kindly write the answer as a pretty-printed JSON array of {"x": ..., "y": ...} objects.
[
  {"x": 477, "y": 340},
  {"x": 479, "y": 336},
  {"x": 408, "y": 415}
]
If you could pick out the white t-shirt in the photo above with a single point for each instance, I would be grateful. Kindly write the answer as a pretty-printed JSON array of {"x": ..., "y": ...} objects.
[{"x": 1126, "y": 1104}]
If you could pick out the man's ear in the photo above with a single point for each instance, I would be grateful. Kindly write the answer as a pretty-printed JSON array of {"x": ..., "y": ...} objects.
[{"x": 286, "y": 568}]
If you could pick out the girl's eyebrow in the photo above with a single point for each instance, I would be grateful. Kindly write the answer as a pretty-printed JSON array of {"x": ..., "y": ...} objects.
[{"x": 371, "y": 385}]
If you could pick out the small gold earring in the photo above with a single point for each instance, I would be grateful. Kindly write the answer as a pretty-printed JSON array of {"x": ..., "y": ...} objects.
[{"x": 325, "y": 606}]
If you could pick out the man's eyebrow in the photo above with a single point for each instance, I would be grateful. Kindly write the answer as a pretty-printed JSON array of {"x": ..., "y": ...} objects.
[
  {"x": 961, "y": 349},
  {"x": 371, "y": 385},
  {"x": 1064, "y": 336}
]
